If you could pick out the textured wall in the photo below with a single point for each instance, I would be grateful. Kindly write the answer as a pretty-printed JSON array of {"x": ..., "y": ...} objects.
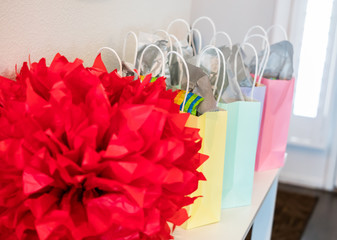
[{"x": 76, "y": 28}]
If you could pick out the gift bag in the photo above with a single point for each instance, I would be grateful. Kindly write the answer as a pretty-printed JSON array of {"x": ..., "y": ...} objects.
[
  {"x": 259, "y": 91},
  {"x": 189, "y": 102},
  {"x": 275, "y": 123},
  {"x": 207, "y": 208},
  {"x": 258, "y": 94},
  {"x": 241, "y": 142},
  {"x": 277, "y": 106}
]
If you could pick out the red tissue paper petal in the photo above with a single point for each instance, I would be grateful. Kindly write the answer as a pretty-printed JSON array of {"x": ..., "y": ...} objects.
[{"x": 87, "y": 154}]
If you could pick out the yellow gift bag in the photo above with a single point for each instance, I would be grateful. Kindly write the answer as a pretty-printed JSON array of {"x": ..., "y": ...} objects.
[{"x": 207, "y": 209}]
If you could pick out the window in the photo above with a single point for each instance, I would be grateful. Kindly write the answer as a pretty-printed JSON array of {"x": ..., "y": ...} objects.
[
  {"x": 312, "y": 57},
  {"x": 312, "y": 31}
]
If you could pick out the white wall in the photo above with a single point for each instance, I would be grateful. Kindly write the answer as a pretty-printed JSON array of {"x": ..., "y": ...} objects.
[
  {"x": 76, "y": 28},
  {"x": 235, "y": 16},
  {"x": 304, "y": 167}
]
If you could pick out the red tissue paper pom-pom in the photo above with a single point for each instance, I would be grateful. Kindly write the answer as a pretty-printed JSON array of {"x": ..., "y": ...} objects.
[{"x": 87, "y": 154}]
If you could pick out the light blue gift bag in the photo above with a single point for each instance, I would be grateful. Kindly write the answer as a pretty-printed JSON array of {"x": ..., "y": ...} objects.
[
  {"x": 241, "y": 142},
  {"x": 259, "y": 91},
  {"x": 243, "y": 123}
]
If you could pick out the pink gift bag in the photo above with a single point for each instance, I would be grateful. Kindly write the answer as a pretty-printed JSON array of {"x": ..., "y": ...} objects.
[{"x": 275, "y": 123}]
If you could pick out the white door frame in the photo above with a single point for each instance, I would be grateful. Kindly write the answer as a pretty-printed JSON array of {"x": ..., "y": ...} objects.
[{"x": 284, "y": 15}]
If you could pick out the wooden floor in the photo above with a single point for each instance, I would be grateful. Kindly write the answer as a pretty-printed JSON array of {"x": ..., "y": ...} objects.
[{"x": 323, "y": 221}]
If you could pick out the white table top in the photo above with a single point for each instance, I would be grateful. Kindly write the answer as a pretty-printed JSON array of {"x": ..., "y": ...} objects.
[{"x": 235, "y": 222}]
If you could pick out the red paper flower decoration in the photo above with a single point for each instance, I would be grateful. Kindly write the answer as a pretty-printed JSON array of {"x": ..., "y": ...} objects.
[{"x": 86, "y": 154}]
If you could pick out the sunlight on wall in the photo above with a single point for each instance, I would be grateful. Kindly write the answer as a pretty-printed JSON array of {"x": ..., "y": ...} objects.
[{"x": 312, "y": 58}]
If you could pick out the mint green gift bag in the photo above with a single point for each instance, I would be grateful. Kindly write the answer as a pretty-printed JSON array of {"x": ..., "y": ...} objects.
[
  {"x": 243, "y": 122},
  {"x": 241, "y": 142}
]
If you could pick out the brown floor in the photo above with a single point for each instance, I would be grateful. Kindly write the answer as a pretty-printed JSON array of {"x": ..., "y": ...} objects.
[
  {"x": 292, "y": 213},
  {"x": 322, "y": 224}
]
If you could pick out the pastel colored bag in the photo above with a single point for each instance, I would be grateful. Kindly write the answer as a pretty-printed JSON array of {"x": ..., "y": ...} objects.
[
  {"x": 275, "y": 124},
  {"x": 259, "y": 91},
  {"x": 207, "y": 209},
  {"x": 241, "y": 142},
  {"x": 275, "y": 116}
]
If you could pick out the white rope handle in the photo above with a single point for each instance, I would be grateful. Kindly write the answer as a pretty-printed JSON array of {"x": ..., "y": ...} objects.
[
  {"x": 191, "y": 42},
  {"x": 223, "y": 67},
  {"x": 279, "y": 27},
  {"x": 167, "y": 35},
  {"x": 161, "y": 54},
  {"x": 115, "y": 53},
  {"x": 266, "y": 54},
  {"x": 253, "y": 28},
  {"x": 189, "y": 34},
  {"x": 187, "y": 75},
  {"x": 223, "y": 77},
  {"x": 205, "y": 49},
  {"x": 180, "y": 48},
  {"x": 178, "y": 20},
  {"x": 213, "y": 40},
  {"x": 207, "y": 19},
  {"x": 236, "y": 65},
  {"x": 136, "y": 46}
]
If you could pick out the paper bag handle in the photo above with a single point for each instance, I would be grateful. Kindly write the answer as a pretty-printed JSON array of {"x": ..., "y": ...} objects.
[
  {"x": 136, "y": 46},
  {"x": 161, "y": 54},
  {"x": 191, "y": 42},
  {"x": 279, "y": 27},
  {"x": 167, "y": 37},
  {"x": 195, "y": 23},
  {"x": 266, "y": 54},
  {"x": 205, "y": 49},
  {"x": 207, "y": 19},
  {"x": 187, "y": 74},
  {"x": 188, "y": 28},
  {"x": 115, "y": 53},
  {"x": 236, "y": 64},
  {"x": 213, "y": 40},
  {"x": 179, "y": 20},
  {"x": 253, "y": 28},
  {"x": 219, "y": 54},
  {"x": 180, "y": 49}
]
